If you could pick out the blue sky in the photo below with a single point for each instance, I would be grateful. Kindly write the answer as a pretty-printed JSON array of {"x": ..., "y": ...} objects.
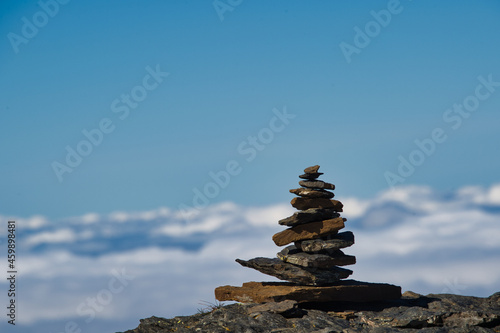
[
  {"x": 226, "y": 77},
  {"x": 191, "y": 107}
]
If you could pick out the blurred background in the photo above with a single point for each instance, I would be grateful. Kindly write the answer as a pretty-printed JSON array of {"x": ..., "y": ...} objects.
[{"x": 147, "y": 144}]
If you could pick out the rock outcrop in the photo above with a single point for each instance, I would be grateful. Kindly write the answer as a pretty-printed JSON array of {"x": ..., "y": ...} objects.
[{"x": 412, "y": 312}]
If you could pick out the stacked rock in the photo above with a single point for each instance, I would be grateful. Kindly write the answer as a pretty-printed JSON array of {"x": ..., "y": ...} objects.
[
  {"x": 315, "y": 256},
  {"x": 311, "y": 264},
  {"x": 314, "y": 229}
]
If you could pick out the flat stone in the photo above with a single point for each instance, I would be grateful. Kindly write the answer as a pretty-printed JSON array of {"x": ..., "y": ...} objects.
[
  {"x": 335, "y": 242},
  {"x": 306, "y": 203},
  {"x": 309, "y": 193},
  {"x": 317, "y": 184},
  {"x": 309, "y": 215},
  {"x": 311, "y": 176},
  {"x": 273, "y": 307},
  {"x": 292, "y": 255},
  {"x": 311, "y": 169},
  {"x": 296, "y": 274},
  {"x": 310, "y": 230},
  {"x": 342, "y": 291}
]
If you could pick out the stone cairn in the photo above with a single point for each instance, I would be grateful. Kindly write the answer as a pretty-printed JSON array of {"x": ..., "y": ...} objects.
[{"x": 310, "y": 265}]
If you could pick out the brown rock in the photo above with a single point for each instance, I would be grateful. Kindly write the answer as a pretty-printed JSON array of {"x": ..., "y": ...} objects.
[
  {"x": 292, "y": 255},
  {"x": 342, "y": 291},
  {"x": 309, "y": 215},
  {"x": 317, "y": 184},
  {"x": 308, "y": 193},
  {"x": 338, "y": 241},
  {"x": 306, "y": 203},
  {"x": 296, "y": 274},
  {"x": 311, "y": 169},
  {"x": 310, "y": 230}
]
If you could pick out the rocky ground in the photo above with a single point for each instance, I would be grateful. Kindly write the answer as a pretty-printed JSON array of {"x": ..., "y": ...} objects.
[{"x": 431, "y": 313}]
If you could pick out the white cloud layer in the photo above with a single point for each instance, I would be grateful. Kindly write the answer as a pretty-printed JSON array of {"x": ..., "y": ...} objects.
[{"x": 412, "y": 236}]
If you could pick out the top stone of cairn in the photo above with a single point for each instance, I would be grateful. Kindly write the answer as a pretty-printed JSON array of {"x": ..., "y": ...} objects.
[{"x": 312, "y": 169}]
